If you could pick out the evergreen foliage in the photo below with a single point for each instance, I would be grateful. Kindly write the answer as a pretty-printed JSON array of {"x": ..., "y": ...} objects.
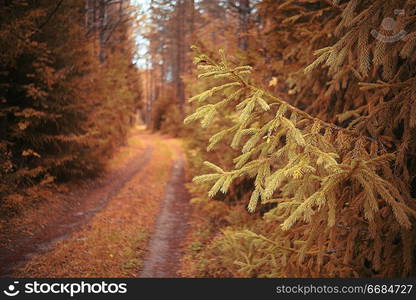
[{"x": 339, "y": 207}]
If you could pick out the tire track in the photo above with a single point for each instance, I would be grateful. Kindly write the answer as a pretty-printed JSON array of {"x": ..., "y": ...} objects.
[
  {"x": 86, "y": 203},
  {"x": 164, "y": 251}
]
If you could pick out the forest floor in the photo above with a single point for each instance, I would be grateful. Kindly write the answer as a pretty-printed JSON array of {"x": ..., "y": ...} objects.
[{"x": 128, "y": 223}]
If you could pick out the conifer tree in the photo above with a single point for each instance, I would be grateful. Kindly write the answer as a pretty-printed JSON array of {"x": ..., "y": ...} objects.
[
  {"x": 323, "y": 178},
  {"x": 350, "y": 66}
]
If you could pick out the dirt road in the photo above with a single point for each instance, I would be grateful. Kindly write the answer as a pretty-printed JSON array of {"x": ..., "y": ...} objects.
[{"x": 141, "y": 207}]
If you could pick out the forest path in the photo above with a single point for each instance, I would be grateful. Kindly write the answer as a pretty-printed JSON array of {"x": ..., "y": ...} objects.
[{"x": 104, "y": 229}]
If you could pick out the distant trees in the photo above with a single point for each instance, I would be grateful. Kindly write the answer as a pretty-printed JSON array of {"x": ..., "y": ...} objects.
[
  {"x": 173, "y": 27},
  {"x": 68, "y": 90},
  {"x": 104, "y": 18}
]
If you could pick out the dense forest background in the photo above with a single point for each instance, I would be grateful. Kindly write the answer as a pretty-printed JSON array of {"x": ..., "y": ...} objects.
[
  {"x": 69, "y": 91},
  {"x": 305, "y": 160}
]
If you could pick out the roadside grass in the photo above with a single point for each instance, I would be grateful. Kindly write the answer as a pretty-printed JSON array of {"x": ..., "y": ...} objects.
[{"x": 127, "y": 151}]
